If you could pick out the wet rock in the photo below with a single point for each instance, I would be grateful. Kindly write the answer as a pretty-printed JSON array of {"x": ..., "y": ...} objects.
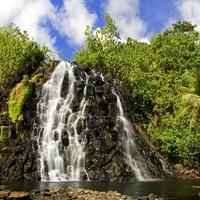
[
  {"x": 18, "y": 162},
  {"x": 19, "y": 195},
  {"x": 186, "y": 172},
  {"x": 4, "y": 194},
  {"x": 99, "y": 80},
  {"x": 150, "y": 197},
  {"x": 90, "y": 90}
]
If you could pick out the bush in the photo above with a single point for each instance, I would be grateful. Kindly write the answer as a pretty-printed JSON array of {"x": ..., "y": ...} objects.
[{"x": 182, "y": 144}]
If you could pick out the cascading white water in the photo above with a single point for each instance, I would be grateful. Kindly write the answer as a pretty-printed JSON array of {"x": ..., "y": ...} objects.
[
  {"x": 75, "y": 150},
  {"x": 133, "y": 157},
  {"x": 52, "y": 110}
]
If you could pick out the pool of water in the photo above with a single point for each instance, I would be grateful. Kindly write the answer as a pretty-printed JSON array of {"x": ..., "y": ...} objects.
[{"x": 168, "y": 189}]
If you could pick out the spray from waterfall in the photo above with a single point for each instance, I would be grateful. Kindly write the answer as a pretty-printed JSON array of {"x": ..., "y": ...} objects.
[{"x": 57, "y": 162}]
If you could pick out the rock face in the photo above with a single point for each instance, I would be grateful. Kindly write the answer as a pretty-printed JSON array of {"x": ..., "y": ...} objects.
[
  {"x": 18, "y": 159},
  {"x": 18, "y": 162},
  {"x": 104, "y": 150}
]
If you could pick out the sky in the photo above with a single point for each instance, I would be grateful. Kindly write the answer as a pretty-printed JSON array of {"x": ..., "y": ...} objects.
[{"x": 60, "y": 24}]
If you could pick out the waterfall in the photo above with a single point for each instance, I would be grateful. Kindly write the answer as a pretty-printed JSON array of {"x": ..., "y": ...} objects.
[
  {"x": 57, "y": 162},
  {"x": 76, "y": 114},
  {"x": 132, "y": 156}
]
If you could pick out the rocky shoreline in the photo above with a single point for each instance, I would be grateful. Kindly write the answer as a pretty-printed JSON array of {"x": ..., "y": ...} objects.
[
  {"x": 70, "y": 194},
  {"x": 183, "y": 172}
]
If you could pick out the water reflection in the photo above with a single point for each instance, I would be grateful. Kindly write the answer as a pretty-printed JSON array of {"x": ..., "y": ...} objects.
[{"x": 170, "y": 190}]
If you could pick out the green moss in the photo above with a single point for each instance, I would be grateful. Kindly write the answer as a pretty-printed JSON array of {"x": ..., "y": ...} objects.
[{"x": 18, "y": 97}]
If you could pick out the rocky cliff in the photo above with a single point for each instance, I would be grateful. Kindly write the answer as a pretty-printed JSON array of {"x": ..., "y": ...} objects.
[{"x": 104, "y": 150}]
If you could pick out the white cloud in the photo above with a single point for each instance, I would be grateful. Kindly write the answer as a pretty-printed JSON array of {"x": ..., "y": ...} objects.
[
  {"x": 126, "y": 16},
  {"x": 29, "y": 15},
  {"x": 9, "y": 9},
  {"x": 189, "y": 10},
  {"x": 73, "y": 19},
  {"x": 32, "y": 17}
]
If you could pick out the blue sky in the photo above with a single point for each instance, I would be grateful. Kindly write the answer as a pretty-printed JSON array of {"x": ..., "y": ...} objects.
[
  {"x": 60, "y": 24},
  {"x": 155, "y": 13}
]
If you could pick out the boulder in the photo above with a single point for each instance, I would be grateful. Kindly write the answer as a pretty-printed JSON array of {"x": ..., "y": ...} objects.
[
  {"x": 19, "y": 196},
  {"x": 4, "y": 194}
]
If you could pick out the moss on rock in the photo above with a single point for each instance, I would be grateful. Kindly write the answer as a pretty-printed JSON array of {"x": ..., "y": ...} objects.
[{"x": 18, "y": 97}]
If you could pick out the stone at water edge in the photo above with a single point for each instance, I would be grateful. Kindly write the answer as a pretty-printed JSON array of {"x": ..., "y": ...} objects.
[
  {"x": 4, "y": 194},
  {"x": 51, "y": 191},
  {"x": 19, "y": 195},
  {"x": 14, "y": 195},
  {"x": 150, "y": 197}
]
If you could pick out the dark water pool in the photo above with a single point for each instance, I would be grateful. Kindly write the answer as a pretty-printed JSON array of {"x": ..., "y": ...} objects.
[{"x": 170, "y": 189}]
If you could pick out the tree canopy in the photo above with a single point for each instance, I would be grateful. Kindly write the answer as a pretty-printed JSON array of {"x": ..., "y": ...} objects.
[
  {"x": 164, "y": 78},
  {"x": 18, "y": 54}
]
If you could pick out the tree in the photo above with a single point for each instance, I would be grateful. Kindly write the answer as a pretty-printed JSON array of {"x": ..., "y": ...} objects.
[
  {"x": 18, "y": 55},
  {"x": 182, "y": 27}
]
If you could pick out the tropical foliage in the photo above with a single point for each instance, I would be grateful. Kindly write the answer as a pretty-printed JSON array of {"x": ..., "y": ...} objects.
[{"x": 164, "y": 78}]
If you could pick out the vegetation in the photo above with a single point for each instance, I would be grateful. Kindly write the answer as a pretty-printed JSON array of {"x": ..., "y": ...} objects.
[
  {"x": 164, "y": 78},
  {"x": 17, "y": 99},
  {"x": 18, "y": 55}
]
